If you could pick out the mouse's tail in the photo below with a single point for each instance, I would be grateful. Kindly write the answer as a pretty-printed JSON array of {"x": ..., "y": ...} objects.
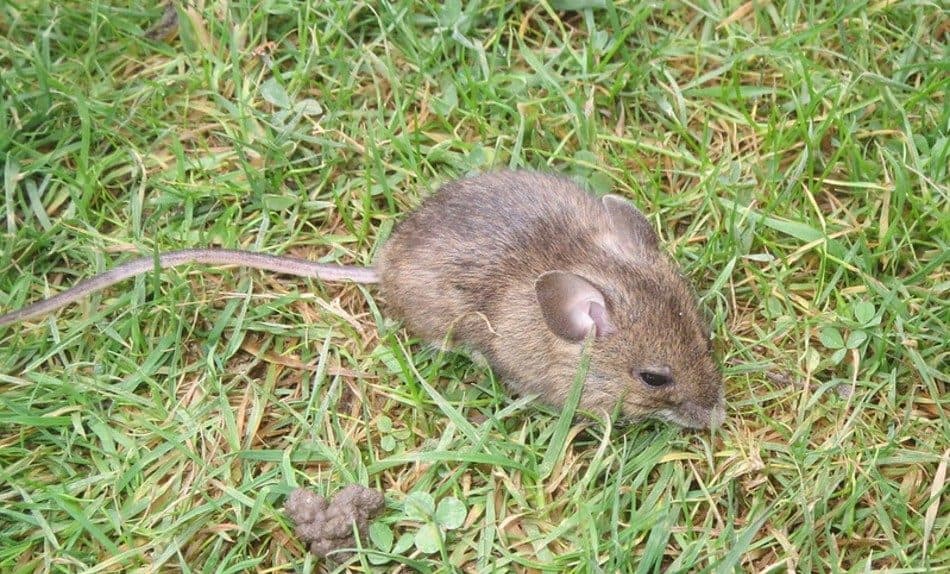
[{"x": 219, "y": 257}]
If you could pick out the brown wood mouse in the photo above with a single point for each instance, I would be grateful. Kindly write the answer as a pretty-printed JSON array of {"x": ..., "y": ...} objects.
[{"x": 520, "y": 267}]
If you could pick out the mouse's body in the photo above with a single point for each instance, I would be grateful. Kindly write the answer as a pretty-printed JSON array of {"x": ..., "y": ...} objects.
[
  {"x": 521, "y": 266},
  {"x": 510, "y": 264}
]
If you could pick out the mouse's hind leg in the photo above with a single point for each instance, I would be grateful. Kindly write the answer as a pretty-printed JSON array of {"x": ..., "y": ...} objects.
[{"x": 415, "y": 294}]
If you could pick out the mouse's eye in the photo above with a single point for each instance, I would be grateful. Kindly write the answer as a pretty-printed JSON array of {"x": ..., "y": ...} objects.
[{"x": 655, "y": 379}]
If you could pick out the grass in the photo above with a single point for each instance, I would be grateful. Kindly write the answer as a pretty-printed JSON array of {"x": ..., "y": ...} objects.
[{"x": 792, "y": 154}]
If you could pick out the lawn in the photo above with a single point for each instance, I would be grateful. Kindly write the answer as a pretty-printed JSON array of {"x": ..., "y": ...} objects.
[{"x": 792, "y": 155}]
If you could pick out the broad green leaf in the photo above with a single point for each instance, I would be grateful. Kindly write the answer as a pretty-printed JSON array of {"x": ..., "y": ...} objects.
[
  {"x": 428, "y": 538},
  {"x": 275, "y": 94},
  {"x": 863, "y": 312},
  {"x": 308, "y": 107},
  {"x": 838, "y": 356},
  {"x": 831, "y": 338},
  {"x": 601, "y": 183},
  {"x": 381, "y": 535},
  {"x": 451, "y": 513},
  {"x": 447, "y": 102},
  {"x": 419, "y": 506},
  {"x": 856, "y": 339},
  {"x": 274, "y": 202},
  {"x": 812, "y": 359},
  {"x": 404, "y": 543}
]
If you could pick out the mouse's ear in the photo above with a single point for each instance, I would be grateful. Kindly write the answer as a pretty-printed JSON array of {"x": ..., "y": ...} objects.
[
  {"x": 631, "y": 225},
  {"x": 571, "y": 305}
]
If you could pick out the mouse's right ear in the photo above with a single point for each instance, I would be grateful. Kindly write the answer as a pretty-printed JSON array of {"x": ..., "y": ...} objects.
[
  {"x": 571, "y": 305},
  {"x": 629, "y": 223}
]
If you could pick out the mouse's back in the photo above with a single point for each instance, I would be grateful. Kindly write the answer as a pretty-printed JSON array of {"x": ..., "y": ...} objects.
[{"x": 472, "y": 239}]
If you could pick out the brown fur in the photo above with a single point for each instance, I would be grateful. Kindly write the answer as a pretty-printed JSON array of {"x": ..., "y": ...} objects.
[{"x": 463, "y": 267}]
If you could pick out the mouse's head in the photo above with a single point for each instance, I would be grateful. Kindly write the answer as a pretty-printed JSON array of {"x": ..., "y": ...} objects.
[{"x": 651, "y": 349}]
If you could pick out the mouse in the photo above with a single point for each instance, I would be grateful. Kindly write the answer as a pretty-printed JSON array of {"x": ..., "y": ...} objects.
[{"x": 530, "y": 271}]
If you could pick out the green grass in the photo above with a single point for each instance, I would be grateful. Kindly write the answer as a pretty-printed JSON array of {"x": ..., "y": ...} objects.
[{"x": 794, "y": 158}]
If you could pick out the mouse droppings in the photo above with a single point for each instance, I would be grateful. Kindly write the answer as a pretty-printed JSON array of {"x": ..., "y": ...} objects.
[{"x": 326, "y": 526}]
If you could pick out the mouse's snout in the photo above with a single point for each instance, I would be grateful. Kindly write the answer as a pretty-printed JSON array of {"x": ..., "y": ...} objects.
[
  {"x": 717, "y": 415},
  {"x": 695, "y": 416},
  {"x": 701, "y": 414}
]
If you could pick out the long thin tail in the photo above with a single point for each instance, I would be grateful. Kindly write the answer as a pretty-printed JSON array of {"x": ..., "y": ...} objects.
[{"x": 218, "y": 257}]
